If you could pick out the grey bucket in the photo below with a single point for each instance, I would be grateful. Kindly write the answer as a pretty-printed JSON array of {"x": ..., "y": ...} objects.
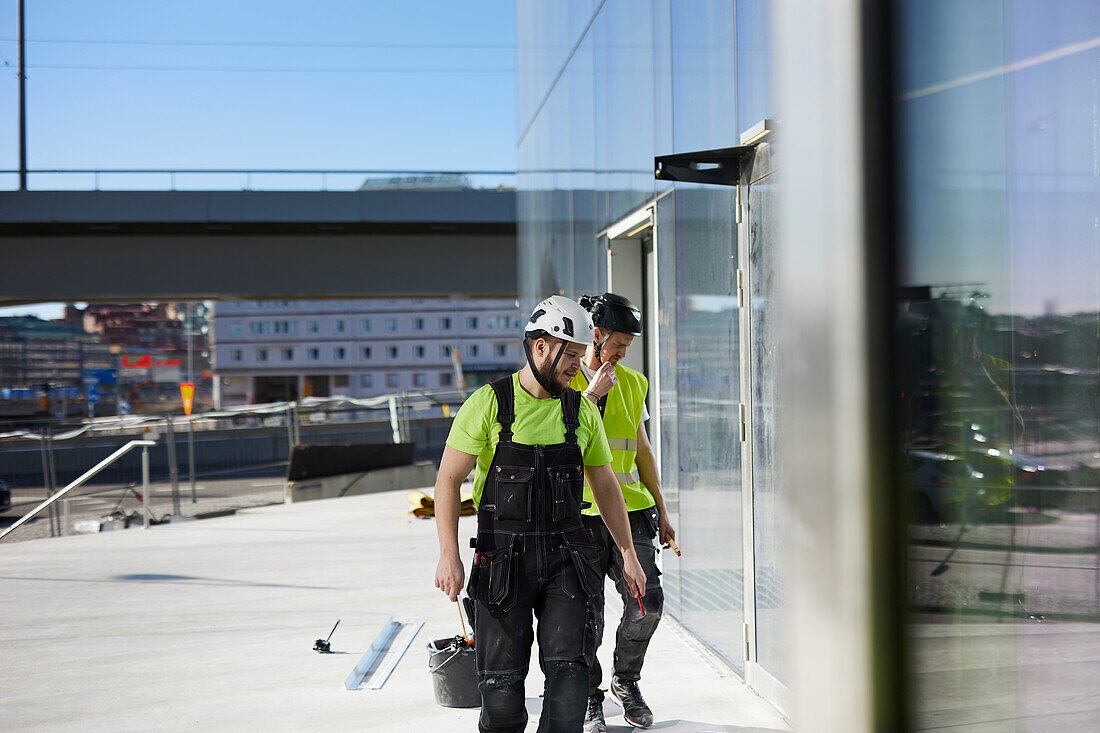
[{"x": 454, "y": 675}]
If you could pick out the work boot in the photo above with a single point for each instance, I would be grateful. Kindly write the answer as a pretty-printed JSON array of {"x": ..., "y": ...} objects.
[
  {"x": 593, "y": 719},
  {"x": 636, "y": 712}
]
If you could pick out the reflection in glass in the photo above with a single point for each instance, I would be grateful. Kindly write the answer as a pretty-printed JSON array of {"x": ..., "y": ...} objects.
[
  {"x": 707, "y": 373},
  {"x": 669, "y": 402},
  {"x": 650, "y": 78},
  {"x": 999, "y": 363},
  {"x": 771, "y": 501}
]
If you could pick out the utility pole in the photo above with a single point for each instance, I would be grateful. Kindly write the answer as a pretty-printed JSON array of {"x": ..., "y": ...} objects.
[{"x": 22, "y": 105}]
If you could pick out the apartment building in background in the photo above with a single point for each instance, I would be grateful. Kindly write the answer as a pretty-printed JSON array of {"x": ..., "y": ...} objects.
[
  {"x": 35, "y": 352},
  {"x": 266, "y": 351}
]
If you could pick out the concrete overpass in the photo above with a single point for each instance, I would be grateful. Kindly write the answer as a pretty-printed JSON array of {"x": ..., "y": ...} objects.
[{"x": 124, "y": 246}]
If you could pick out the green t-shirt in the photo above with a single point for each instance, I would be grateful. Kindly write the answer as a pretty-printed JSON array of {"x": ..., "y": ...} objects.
[{"x": 475, "y": 429}]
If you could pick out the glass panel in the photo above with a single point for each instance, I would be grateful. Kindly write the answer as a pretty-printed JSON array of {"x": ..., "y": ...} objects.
[
  {"x": 629, "y": 59},
  {"x": 543, "y": 43},
  {"x": 662, "y": 83},
  {"x": 665, "y": 243},
  {"x": 753, "y": 64},
  {"x": 701, "y": 448},
  {"x": 599, "y": 128},
  {"x": 603, "y": 85},
  {"x": 589, "y": 258},
  {"x": 708, "y": 392},
  {"x": 771, "y": 503},
  {"x": 999, "y": 367},
  {"x": 705, "y": 112},
  {"x": 580, "y": 14},
  {"x": 534, "y": 200}
]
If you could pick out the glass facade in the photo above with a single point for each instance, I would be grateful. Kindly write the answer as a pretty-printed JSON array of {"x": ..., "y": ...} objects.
[
  {"x": 605, "y": 87},
  {"x": 990, "y": 364},
  {"x": 999, "y": 330}
]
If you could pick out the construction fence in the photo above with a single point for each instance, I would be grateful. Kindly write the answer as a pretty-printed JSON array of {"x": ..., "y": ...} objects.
[{"x": 206, "y": 462}]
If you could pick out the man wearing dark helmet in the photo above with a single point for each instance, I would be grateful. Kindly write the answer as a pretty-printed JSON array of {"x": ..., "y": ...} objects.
[{"x": 620, "y": 394}]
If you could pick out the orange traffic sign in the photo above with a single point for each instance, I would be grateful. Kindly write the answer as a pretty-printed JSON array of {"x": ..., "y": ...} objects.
[{"x": 187, "y": 392}]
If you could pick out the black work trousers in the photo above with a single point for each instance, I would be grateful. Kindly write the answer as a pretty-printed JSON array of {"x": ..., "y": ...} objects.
[
  {"x": 635, "y": 629},
  {"x": 538, "y": 576}
]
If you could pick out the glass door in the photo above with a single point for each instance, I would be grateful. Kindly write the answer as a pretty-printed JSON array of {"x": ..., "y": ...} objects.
[{"x": 766, "y": 509}]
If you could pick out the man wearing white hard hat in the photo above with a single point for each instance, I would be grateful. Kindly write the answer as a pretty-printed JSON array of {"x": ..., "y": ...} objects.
[{"x": 535, "y": 444}]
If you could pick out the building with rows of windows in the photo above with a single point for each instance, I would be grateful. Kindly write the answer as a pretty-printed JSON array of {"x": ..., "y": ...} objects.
[{"x": 276, "y": 350}]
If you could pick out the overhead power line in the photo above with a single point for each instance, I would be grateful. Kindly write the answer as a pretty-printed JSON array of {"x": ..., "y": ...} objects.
[
  {"x": 281, "y": 69},
  {"x": 254, "y": 44}
]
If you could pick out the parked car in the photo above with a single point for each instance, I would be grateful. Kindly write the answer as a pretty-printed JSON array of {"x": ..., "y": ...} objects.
[
  {"x": 941, "y": 487},
  {"x": 1028, "y": 482}
]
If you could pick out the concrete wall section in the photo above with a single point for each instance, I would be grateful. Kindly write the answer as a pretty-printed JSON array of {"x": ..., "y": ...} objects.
[
  {"x": 415, "y": 476},
  {"x": 84, "y": 207},
  {"x": 126, "y": 268}
]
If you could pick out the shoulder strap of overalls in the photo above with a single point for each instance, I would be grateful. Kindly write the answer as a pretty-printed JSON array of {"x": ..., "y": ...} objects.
[
  {"x": 506, "y": 406},
  {"x": 570, "y": 411}
]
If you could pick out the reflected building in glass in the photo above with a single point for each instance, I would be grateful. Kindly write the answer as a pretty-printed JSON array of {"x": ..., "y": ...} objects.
[{"x": 872, "y": 339}]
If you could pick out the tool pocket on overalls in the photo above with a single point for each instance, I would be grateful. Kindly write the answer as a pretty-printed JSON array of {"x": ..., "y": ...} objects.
[
  {"x": 513, "y": 498},
  {"x": 581, "y": 574},
  {"x": 567, "y": 488},
  {"x": 492, "y": 581}
]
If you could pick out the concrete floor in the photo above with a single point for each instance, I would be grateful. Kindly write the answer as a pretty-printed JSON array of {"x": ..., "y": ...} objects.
[{"x": 210, "y": 625}]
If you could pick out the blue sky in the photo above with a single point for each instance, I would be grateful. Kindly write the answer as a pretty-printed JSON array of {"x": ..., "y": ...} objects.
[
  {"x": 363, "y": 84},
  {"x": 240, "y": 84}
]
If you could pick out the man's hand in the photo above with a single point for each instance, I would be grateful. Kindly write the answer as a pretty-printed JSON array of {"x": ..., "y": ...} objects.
[
  {"x": 603, "y": 380},
  {"x": 449, "y": 576},
  {"x": 665, "y": 531},
  {"x": 633, "y": 575}
]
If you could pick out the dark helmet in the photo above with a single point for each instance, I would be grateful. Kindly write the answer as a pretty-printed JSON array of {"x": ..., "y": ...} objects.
[{"x": 613, "y": 313}]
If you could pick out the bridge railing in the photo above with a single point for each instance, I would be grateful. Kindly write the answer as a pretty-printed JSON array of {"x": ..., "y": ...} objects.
[{"x": 253, "y": 179}]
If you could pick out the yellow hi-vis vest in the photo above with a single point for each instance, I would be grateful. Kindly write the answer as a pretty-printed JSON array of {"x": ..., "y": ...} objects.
[{"x": 621, "y": 418}]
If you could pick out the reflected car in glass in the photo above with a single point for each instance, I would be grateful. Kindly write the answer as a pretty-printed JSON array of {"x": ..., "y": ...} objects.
[
  {"x": 941, "y": 487},
  {"x": 1032, "y": 484}
]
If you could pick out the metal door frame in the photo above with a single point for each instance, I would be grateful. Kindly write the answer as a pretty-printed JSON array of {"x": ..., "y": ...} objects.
[{"x": 641, "y": 224}]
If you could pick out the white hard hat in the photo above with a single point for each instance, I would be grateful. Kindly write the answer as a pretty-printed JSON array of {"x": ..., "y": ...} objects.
[{"x": 562, "y": 318}]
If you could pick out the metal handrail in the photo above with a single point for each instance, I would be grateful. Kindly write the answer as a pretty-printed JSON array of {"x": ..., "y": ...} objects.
[{"x": 92, "y": 472}]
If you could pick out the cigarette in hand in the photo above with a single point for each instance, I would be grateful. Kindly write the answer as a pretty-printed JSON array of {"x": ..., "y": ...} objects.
[{"x": 672, "y": 543}]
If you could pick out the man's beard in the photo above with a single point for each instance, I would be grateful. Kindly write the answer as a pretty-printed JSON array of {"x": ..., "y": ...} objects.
[{"x": 559, "y": 381}]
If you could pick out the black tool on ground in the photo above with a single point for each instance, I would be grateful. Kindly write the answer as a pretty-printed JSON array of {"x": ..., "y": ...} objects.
[{"x": 322, "y": 645}]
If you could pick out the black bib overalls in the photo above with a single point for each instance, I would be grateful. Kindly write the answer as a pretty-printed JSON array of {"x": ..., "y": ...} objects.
[{"x": 533, "y": 556}]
